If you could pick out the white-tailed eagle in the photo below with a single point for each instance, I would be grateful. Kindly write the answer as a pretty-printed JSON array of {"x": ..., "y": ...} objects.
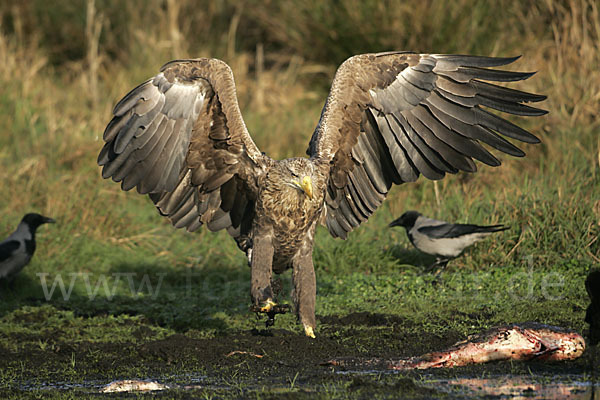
[{"x": 180, "y": 138}]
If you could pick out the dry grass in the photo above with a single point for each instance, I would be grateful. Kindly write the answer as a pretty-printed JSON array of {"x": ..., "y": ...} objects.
[{"x": 55, "y": 103}]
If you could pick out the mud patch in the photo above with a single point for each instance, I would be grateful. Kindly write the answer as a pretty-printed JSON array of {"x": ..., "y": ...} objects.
[{"x": 271, "y": 363}]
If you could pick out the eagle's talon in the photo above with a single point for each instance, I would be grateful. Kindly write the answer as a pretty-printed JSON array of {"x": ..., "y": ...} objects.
[
  {"x": 270, "y": 308},
  {"x": 309, "y": 331}
]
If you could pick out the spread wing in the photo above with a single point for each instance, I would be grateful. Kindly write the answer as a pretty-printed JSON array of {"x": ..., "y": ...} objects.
[
  {"x": 391, "y": 117},
  {"x": 180, "y": 138}
]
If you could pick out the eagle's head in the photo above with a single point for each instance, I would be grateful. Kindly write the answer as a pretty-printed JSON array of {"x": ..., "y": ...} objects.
[
  {"x": 298, "y": 174},
  {"x": 291, "y": 185}
]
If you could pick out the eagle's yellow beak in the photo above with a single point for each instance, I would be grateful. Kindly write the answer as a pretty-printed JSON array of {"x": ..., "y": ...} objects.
[{"x": 306, "y": 185}]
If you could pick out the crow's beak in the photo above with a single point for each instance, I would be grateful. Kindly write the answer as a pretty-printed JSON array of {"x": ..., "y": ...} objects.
[
  {"x": 395, "y": 222},
  {"x": 48, "y": 220}
]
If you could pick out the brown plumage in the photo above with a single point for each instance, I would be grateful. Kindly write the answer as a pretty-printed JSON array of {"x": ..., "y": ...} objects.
[{"x": 180, "y": 138}]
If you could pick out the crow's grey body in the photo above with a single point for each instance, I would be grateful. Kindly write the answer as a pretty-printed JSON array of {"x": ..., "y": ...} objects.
[{"x": 440, "y": 238}]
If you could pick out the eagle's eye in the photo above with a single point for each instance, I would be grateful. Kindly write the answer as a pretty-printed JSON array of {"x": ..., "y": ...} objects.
[{"x": 295, "y": 175}]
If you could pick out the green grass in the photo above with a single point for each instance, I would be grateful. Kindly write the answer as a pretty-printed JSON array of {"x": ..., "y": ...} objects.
[{"x": 111, "y": 244}]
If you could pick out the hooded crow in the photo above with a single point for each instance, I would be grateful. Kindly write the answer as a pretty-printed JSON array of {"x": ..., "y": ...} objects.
[
  {"x": 440, "y": 238},
  {"x": 16, "y": 250}
]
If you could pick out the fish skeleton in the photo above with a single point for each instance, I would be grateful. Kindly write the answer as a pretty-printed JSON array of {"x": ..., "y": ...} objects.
[{"x": 526, "y": 341}]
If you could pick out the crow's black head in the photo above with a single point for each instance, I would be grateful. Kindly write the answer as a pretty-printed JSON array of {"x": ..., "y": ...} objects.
[
  {"x": 406, "y": 220},
  {"x": 34, "y": 220}
]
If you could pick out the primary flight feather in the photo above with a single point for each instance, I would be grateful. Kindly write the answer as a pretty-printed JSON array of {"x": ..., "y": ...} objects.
[{"x": 180, "y": 138}]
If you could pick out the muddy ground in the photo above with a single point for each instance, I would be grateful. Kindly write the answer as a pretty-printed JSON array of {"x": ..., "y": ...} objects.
[{"x": 261, "y": 363}]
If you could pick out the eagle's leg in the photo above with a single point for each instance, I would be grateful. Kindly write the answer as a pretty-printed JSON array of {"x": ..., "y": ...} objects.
[
  {"x": 305, "y": 288},
  {"x": 261, "y": 266}
]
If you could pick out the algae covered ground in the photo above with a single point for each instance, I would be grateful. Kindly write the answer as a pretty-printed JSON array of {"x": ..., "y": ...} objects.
[
  {"x": 114, "y": 292},
  {"x": 206, "y": 343}
]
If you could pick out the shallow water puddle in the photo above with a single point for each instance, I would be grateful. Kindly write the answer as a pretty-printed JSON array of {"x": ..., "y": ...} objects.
[
  {"x": 528, "y": 387},
  {"x": 501, "y": 386},
  {"x": 520, "y": 387}
]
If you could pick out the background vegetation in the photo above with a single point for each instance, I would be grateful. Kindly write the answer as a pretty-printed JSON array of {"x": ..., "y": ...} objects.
[{"x": 64, "y": 64}]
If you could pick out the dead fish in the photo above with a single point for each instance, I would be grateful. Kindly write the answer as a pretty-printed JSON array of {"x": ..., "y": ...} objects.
[
  {"x": 132, "y": 385},
  {"x": 526, "y": 341}
]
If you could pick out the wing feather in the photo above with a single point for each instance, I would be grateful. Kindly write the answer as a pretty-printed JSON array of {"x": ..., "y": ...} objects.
[
  {"x": 359, "y": 214},
  {"x": 457, "y": 160},
  {"x": 372, "y": 164},
  {"x": 7, "y": 249},
  {"x": 454, "y": 60},
  {"x": 425, "y": 150},
  {"x": 420, "y": 114},
  {"x": 382, "y": 154},
  {"x": 334, "y": 227},
  {"x": 458, "y": 142},
  {"x": 349, "y": 213},
  {"x": 419, "y": 162},
  {"x": 401, "y": 161},
  {"x": 180, "y": 138}
]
